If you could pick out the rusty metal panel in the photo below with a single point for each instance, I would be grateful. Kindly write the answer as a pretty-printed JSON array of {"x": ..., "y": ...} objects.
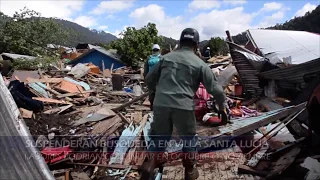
[
  {"x": 69, "y": 87},
  {"x": 246, "y": 70},
  {"x": 294, "y": 74}
]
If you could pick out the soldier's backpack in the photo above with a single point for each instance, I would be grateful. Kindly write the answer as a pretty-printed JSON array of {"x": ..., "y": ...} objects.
[{"x": 153, "y": 60}]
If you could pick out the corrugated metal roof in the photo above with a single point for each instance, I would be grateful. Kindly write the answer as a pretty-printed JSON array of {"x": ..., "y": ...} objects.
[
  {"x": 293, "y": 74},
  {"x": 278, "y": 44},
  {"x": 111, "y": 53},
  {"x": 244, "y": 61},
  {"x": 19, "y": 159},
  {"x": 54, "y": 46},
  {"x": 93, "y": 46},
  {"x": 17, "y": 56}
]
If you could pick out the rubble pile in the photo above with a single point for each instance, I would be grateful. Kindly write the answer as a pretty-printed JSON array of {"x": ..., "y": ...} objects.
[{"x": 93, "y": 123}]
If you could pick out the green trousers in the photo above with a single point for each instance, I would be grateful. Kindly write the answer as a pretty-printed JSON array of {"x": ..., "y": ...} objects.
[{"x": 162, "y": 126}]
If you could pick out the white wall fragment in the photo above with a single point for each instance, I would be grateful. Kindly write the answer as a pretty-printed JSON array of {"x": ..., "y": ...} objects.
[{"x": 314, "y": 168}]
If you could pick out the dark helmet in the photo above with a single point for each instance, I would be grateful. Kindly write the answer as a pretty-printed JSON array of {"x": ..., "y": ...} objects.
[{"x": 190, "y": 34}]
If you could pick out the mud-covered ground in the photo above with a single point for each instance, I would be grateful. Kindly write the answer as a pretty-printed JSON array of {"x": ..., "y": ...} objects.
[{"x": 40, "y": 124}]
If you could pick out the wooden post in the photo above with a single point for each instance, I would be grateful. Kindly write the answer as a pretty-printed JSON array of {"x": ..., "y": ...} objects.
[
  {"x": 103, "y": 68},
  {"x": 111, "y": 67},
  {"x": 229, "y": 36},
  {"x": 117, "y": 82}
]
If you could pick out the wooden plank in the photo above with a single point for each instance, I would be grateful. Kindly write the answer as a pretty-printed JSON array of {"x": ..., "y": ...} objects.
[
  {"x": 124, "y": 118},
  {"x": 58, "y": 110},
  {"x": 140, "y": 108},
  {"x": 50, "y": 101},
  {"x": 45, "y": 80},
  {"x": 68, "y": 87},
  {"x": 103, "y": 126},
  {"x": 74, "y": 93},
  {"x": 136, "y": 117},
  {"x": 98, "y": 114},
  {"x": 146, "y": 102},
  {"x": 259, "y": 155},
  {"x": 26, "y": 113},
  {"x": 120, "y": 93},
  {"x": 130, "y": 102},
  {"x": 284, "y": 162},
  {"x": 57, "y": 94},
  {"x": 112, "y": 166},
  {"x": 107, "y": 73},
  {"x": 243, "y": 169},
  {"x": 103, "y": 68},
  {"x": 67, "y": 175}
]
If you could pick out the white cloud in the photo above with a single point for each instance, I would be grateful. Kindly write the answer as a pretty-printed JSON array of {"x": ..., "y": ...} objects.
[
  {"x": 235, "y": 2},
  {"x": 272, "y": 6},
  {"x": 272, "y": 20},
  {"x": 110, "y": 16},
  {"x": 235, "y": 20},
  {"x": 110, "y": 7},
  {"x": 118, "y": 31},
  {"x": 168, "y": 26},
  {"x": 203, "y": 4},
  {"x": 102, "y": 27},
  {"x": 86, "y": 21},
  {"x": 47, "y": 8},
  {"x": 306, "y": 8}
]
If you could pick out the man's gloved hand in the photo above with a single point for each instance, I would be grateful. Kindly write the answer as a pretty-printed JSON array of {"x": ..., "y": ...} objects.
[{"x": 222, "y": 114}]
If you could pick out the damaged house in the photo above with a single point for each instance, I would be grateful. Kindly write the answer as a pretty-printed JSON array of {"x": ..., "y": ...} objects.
[{"x": 99, "y": 56}]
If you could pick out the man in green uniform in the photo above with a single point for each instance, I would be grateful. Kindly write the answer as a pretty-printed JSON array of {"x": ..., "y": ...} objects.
[{"x": 176, "y": 79}]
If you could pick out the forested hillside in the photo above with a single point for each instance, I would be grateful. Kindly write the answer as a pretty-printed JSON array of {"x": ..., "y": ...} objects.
[
  {"x": 79, "y": 33},
  {"x": 86, "y": 35}
]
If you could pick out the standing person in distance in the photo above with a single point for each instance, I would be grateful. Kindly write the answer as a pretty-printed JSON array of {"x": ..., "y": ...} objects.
[
  {"x": 207, "y": 55},
  {"x": 152, "y": 60}
]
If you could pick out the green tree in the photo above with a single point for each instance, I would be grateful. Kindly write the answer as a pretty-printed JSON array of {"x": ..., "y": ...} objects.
[
  {"x": 218, "y": 46},
  {"x": 29, "y": 33},
  {"x": 167, "y": 42},
  {"x": 135, "y": 44}
]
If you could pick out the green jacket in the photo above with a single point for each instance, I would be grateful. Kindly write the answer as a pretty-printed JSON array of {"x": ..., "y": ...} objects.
[{"x": 178, "y": 79}]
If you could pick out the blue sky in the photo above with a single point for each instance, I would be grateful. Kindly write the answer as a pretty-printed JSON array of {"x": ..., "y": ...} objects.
[{"x": 209, "y": 17}]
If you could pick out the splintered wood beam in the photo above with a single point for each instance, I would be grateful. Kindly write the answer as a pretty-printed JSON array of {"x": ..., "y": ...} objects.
[
  {"x": 112, "y": 166},
  {"x": 130, "y": 102},
  {"x": 243, "y": 169}
]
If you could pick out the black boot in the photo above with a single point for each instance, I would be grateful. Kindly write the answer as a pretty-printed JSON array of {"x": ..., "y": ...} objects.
[
  {"x": 148, "y": 169},
  {"x": 191, "y": 173},
  {"x": 190, "y": 170}
]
